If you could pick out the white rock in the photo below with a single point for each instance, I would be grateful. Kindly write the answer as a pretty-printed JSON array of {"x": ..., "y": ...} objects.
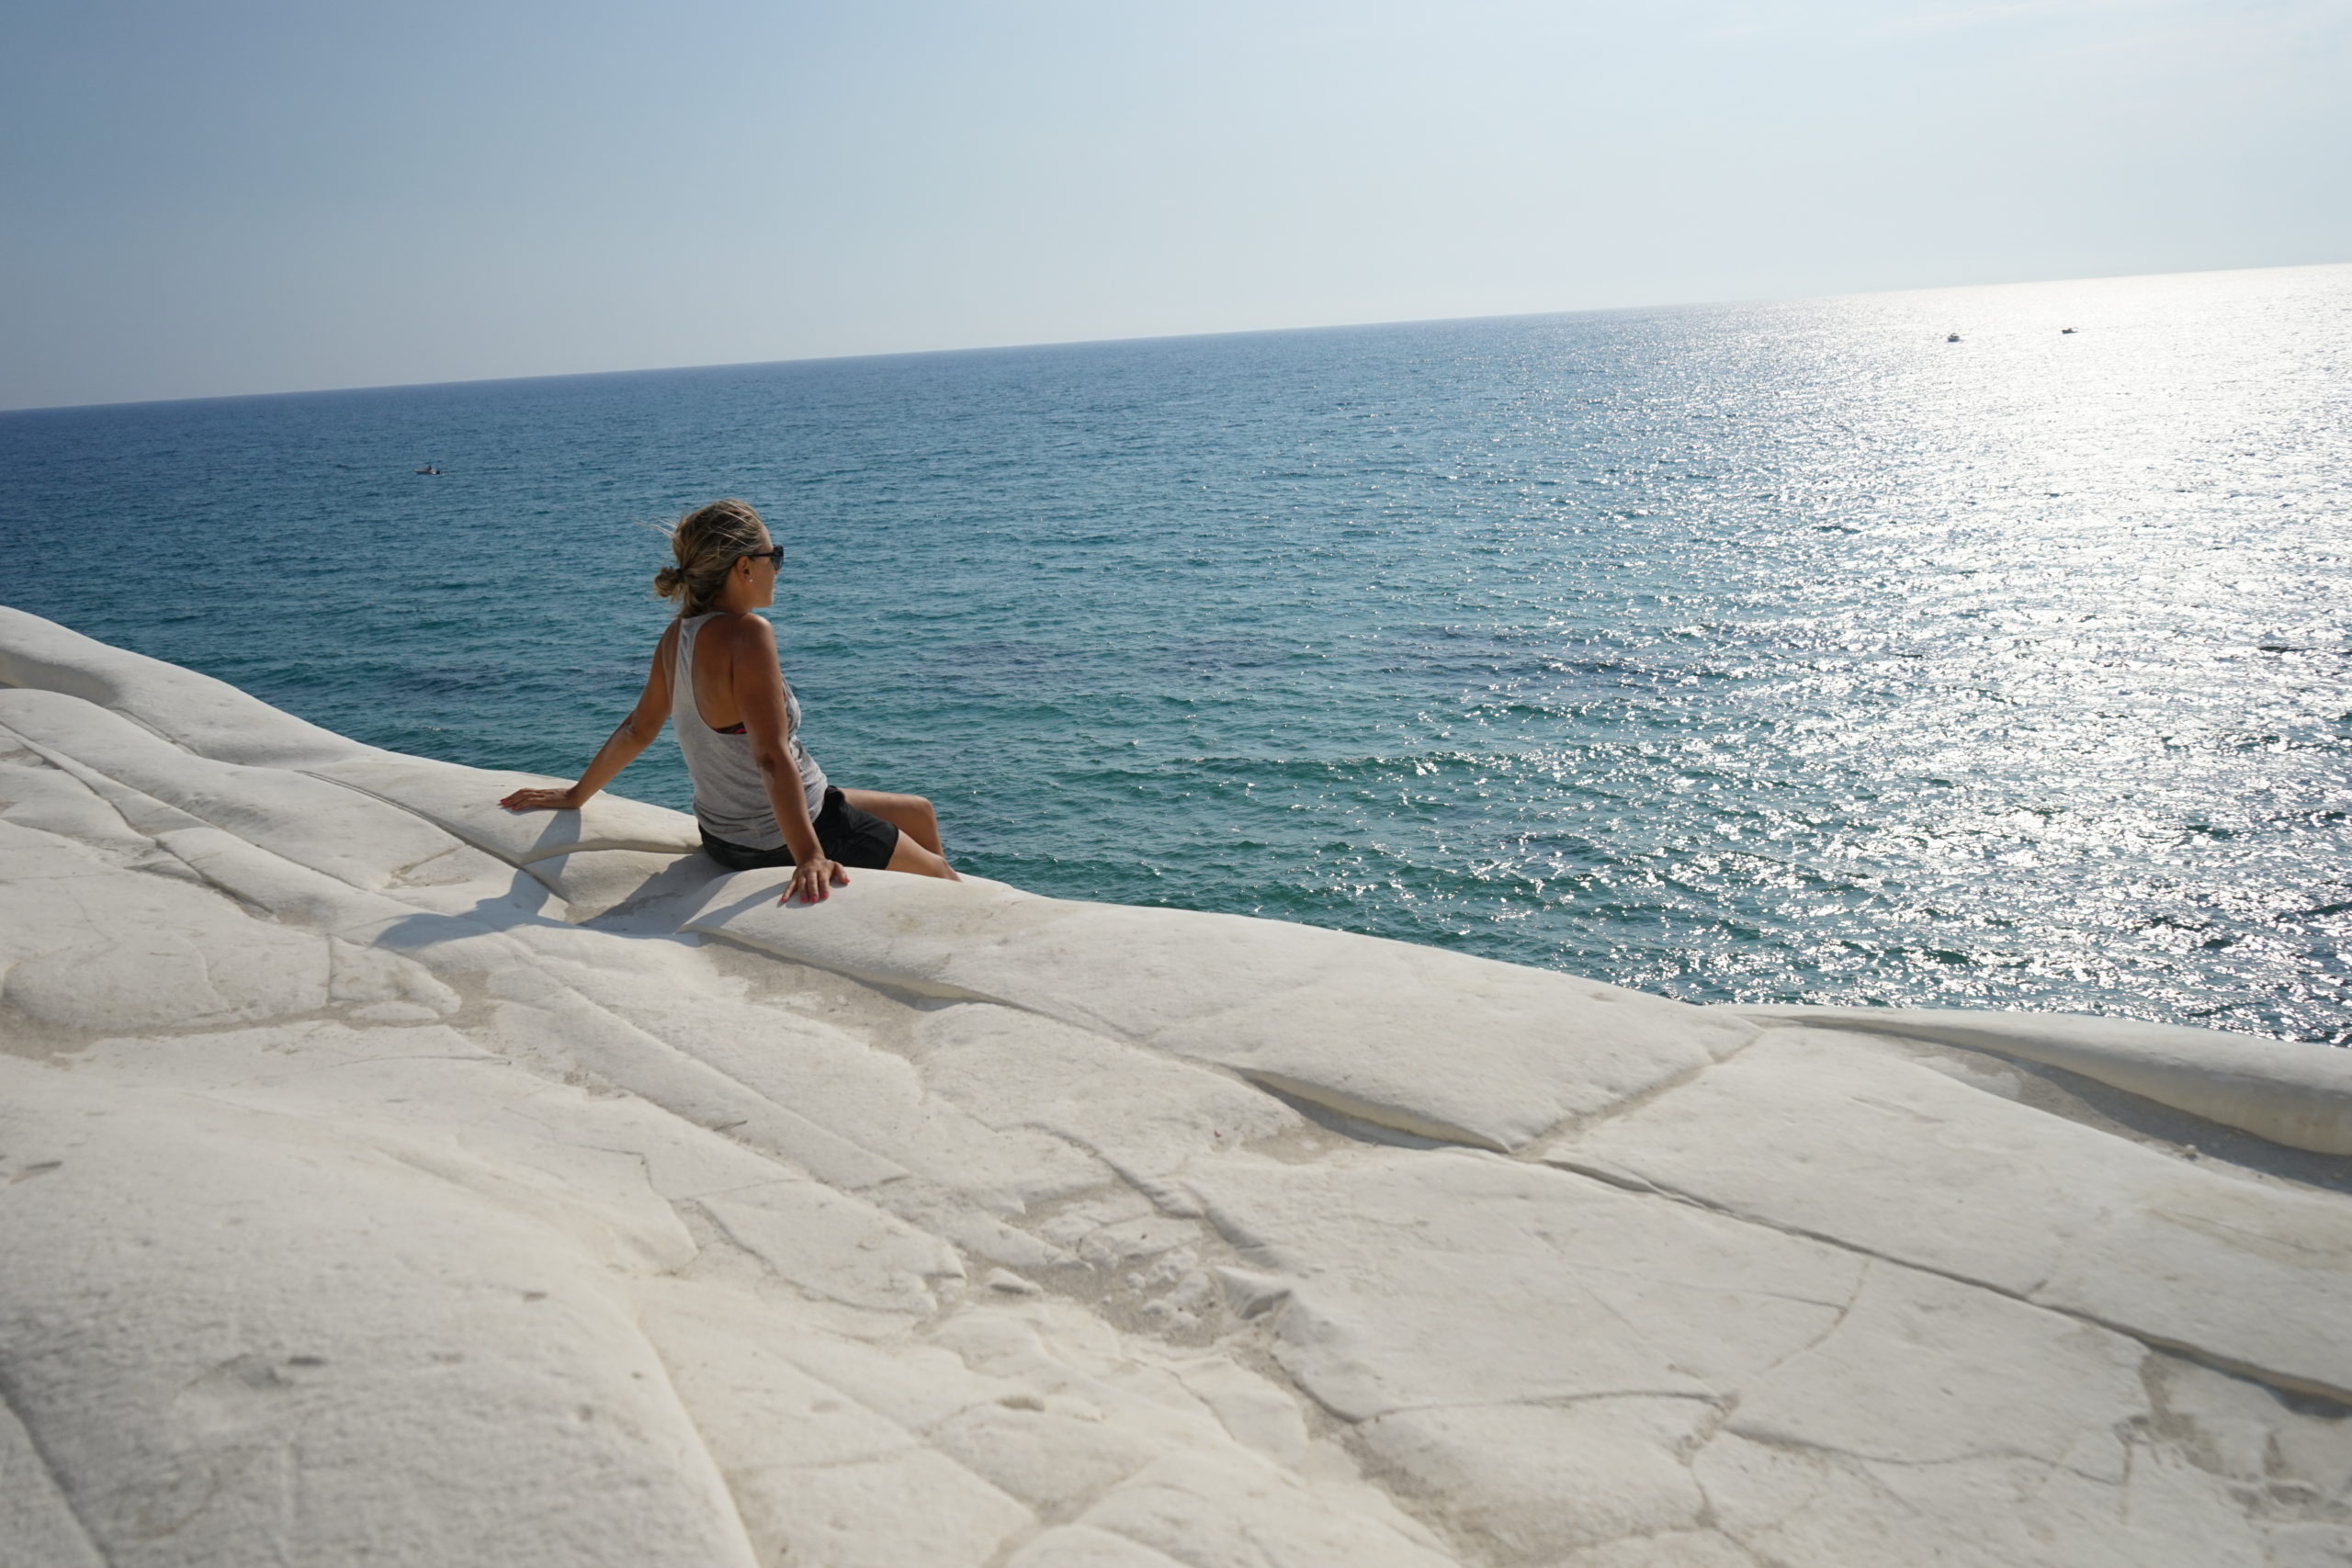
[
  {"x": 1209, "y": 1513},
  {"x": 374, "y": 976},
  {"x": 873, "y": 1098},
  {"x": 832, "y": 1244},
  {"x": 463, "y": 802},
  {"x": 270, "y": 1313},
  {"x": 1668, "y": 1548},
  {"x": 360, "y": 1203},
  {"x": 2288, "y": 1093},
  {"x": 345, "y": 835},
  {"x": 1921, "y": 1370},
  {"x": 1799, "y": 1132},
  {"x": 594, "y": 883},
  {"x": 1444, "y": 1278},
  {"x": 86, "y": 946},
  {"x": 1437, "y": 1044},
  {"x": 37, "y": 1522},
  {"x": 1258, "y": 1414},
  {"x": 1145, "y": 1115},
  {"x": 1082, "y": 1546},
  {"x": 817, "y": 1476},
  {"x": 2307, "y": 1546},
  {"x": 196, "y": 713},
  {"x": 1536, "y": 1482},
  {"x": 34, "y": 792}
]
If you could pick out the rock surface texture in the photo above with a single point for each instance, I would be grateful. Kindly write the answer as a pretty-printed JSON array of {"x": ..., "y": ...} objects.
[{"x": 387, "y": 1178}]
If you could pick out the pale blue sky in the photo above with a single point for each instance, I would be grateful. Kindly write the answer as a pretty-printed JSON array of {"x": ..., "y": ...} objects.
[{"x": 252, "y": 196}]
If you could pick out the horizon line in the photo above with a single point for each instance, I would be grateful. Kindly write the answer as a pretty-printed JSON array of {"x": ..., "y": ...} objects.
[{"x": 1107, "y": 342}]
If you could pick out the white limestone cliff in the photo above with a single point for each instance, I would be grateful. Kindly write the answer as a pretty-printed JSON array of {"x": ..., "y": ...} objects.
[{"x": 384, "y": 1178}]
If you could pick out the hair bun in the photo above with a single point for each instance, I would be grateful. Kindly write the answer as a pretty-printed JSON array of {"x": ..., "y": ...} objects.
[{"x": 707, "y": 542}]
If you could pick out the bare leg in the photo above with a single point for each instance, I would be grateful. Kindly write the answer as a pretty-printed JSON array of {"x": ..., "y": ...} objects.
[
  {"x": 911, "y": 856},
  {"x": 919, "y": 848},
  {"x": 910, "y": 814}
]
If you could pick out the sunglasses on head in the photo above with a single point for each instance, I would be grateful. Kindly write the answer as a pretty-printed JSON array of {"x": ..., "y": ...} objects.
[{"x": 772, "y": 554}]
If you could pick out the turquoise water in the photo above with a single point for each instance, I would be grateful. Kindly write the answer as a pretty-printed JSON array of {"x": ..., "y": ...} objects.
[{"x": 1775, "y": 652}]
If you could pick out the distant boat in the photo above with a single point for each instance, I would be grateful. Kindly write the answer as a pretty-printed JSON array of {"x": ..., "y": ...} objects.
[
  {"x": 429, "y": 469},
  {"x": 2064, "y": 330},
  {"x": 1955, "y": 337}
]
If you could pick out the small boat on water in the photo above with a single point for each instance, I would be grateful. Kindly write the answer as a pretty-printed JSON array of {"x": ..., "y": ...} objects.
[
  {"x": 429, "y": 469},
  {"x": 1952, "y": 338},
  {"x": 2064, "y": 330}
]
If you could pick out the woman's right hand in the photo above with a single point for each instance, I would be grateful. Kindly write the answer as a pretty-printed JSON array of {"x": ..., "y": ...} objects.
[
  {"x": 541, "y": 800},
  {"x": 813, "y": 880}
]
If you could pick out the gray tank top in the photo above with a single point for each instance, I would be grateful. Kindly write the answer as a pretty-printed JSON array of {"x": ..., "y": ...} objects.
[{"x": 731, "y": 800}]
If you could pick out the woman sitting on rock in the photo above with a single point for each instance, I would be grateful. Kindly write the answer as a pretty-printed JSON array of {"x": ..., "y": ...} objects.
[{"x": 760, "y": 799}]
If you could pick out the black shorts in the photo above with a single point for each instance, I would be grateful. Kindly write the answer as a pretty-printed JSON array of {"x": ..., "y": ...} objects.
[{"x": 847, "y": 834}]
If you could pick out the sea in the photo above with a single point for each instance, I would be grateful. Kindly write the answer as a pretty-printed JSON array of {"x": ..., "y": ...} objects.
[{"x": 1904, "y": 649}]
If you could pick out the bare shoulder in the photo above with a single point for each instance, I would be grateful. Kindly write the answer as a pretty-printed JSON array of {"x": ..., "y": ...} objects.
[
  {"x": 741, "y": 648},
  {"x": 744, "y": 631}
]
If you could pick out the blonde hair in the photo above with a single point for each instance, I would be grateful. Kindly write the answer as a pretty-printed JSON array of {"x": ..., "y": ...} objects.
[{"x": 707, "y": 541}]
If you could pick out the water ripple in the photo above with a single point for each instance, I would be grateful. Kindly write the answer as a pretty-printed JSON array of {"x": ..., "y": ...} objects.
[{"x": 1766, "y": 653}]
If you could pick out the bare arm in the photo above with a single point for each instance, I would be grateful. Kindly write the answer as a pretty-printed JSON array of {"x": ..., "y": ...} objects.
[
  {"x": 629, "y": 738},
  {"x": 757, "y": 684}
]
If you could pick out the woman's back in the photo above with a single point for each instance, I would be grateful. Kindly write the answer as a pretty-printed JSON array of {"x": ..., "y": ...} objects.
[{"x": 730, "y": 796}]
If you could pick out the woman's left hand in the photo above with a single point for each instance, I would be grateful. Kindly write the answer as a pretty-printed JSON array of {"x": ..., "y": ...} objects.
[
  {"x": 541, "y": 800},
  {"x": 813, "y": 879}
]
